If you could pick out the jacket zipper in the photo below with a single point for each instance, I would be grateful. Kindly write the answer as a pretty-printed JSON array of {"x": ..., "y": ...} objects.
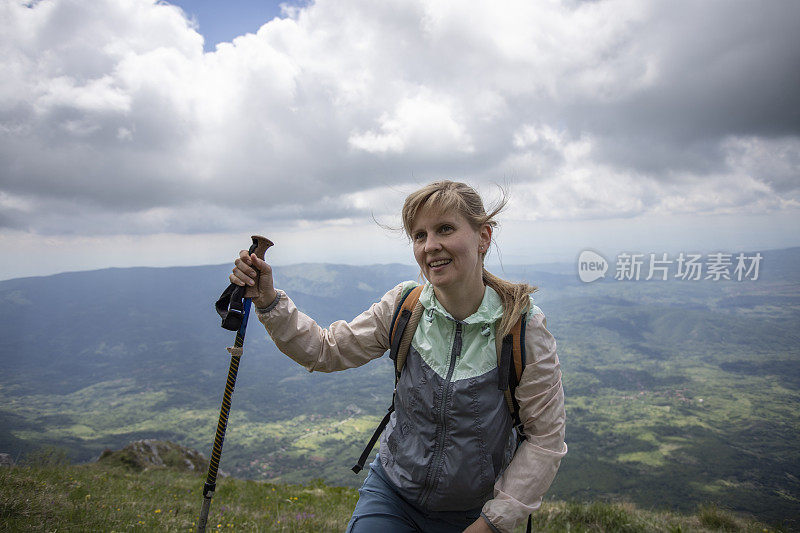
[{"x": 438, "y": 450}]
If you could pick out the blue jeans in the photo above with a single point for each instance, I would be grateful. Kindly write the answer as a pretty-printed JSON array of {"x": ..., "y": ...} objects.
[{"x": 381, "y": 508}]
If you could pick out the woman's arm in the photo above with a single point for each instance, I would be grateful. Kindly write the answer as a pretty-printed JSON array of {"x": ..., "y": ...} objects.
[
  {"x": 342, "y": 345},
  {"x": 519, "y": 490}
]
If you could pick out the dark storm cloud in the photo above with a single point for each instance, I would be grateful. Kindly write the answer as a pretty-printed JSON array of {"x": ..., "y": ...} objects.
[{"x": 720, "y": 70}]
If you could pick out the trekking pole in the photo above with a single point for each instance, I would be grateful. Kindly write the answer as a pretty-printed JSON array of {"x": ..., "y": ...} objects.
[{"x": 234, "y": 308}]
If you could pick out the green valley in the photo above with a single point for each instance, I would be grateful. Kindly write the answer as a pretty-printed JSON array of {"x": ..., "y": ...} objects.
[{"x": 678, "y": 393}]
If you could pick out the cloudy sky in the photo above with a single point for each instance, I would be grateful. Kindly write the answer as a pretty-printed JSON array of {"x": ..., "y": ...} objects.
[{"x": 142, "y": 133}]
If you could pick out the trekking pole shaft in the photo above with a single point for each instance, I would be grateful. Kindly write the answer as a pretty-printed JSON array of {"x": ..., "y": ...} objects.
[
  {"x": 201, "y": 523},
  {"x": 219, "y": 437}
]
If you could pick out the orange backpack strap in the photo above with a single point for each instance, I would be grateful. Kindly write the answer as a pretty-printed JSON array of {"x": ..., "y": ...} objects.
[
  {"x": 510, "y": 365},
  {"x": 404, "y": 325}
]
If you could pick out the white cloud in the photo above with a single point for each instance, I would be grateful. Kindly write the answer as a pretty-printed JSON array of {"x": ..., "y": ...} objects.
[
  {"x": 775, "y": 163},
  {"x": 113, "y": 120},
  {"x": 573, "y": 185},
  {"x": 425, "y": 124}
]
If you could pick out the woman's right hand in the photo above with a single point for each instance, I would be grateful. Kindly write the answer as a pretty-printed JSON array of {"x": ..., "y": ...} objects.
[{"x": 246, "y": 273}]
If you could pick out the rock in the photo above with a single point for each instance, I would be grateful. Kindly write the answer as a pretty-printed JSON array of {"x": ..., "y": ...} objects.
[
  {"x": 6, "y": 460},
  {"x": 149, "y": 453}
]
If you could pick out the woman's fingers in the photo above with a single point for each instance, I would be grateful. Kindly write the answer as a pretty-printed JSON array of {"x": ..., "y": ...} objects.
[
  {"x": 248, "y": 269},
  {"x": 259, "y": 264},
  {"x": 244, "y": 257},
  {"x": 243, "y": 273},
  {"x": 241, "y": 278},
  {"x": 246, "y": 272}
]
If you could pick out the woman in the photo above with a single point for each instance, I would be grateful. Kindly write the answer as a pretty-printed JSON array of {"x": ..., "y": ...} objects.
[{"x": 448, "y": 459}]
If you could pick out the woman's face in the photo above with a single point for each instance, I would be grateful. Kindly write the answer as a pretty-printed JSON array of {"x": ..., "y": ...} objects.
[{"x": 448, "y": 249}]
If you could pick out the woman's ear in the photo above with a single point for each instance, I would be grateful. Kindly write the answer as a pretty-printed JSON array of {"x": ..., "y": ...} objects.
[{"x": 485, "y": 236}]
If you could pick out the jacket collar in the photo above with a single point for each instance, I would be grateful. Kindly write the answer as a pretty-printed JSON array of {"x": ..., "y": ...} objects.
[{"x": 490, "y": 310}]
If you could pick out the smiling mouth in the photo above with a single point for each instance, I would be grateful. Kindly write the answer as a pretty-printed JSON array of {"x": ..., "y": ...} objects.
[{"x": 439, "y": 263}]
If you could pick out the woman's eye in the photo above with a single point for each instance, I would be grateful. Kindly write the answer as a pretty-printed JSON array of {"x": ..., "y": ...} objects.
[
  {"x": 446, "y": 228},
  {"x": 419, "y": 236}
]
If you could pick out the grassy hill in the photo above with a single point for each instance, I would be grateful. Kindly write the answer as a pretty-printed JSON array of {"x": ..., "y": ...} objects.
[{"x": 103, "y": 497}]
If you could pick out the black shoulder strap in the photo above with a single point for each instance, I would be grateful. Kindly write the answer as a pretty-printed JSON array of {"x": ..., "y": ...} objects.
[
  {"x": 511, "y": 353},
  {"x": 511, "y": 359},
  {"x": 400, "y": 320},
  {"x": 519, "y": 366},
  {"x": 371, "y": 444}
]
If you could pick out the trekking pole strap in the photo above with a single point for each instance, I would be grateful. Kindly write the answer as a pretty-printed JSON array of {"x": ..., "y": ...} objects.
[{"x": 230, "y": 305}]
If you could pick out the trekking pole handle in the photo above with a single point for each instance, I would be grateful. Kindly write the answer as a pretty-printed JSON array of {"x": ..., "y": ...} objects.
[{"x": 259, "y": 247}]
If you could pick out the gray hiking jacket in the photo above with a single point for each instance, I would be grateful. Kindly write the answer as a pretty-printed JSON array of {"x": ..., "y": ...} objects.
[{"x": 449, "y": 444}]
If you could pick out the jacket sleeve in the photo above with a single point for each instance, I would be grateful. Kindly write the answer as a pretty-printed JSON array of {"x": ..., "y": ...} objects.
[
  {"x": 342, "y": 345},
  {"x": 518, "y": 491}
]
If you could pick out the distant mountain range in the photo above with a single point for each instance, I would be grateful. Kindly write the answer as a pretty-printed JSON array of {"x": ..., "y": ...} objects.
[{"x": 677, "y": 392}]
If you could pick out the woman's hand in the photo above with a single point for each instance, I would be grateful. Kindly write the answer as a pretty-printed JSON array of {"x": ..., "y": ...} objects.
[
  {"x": 478, "y": 526},
  {"x": 246, "y": 273}
]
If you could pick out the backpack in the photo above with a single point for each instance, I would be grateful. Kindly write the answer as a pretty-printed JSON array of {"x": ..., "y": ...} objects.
[{"x": 510, "y": 351}]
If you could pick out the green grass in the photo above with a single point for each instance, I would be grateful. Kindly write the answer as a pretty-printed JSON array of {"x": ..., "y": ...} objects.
[
  {"x": 95, "y": 497},
  {"x": 627, "y": 518}
]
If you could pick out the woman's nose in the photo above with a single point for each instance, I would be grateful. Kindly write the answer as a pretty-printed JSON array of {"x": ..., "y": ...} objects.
[{"x": 432, "y": 244}]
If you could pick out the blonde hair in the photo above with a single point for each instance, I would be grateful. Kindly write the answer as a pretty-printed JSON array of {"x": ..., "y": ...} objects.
[{"x": 452, "y": 196}]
